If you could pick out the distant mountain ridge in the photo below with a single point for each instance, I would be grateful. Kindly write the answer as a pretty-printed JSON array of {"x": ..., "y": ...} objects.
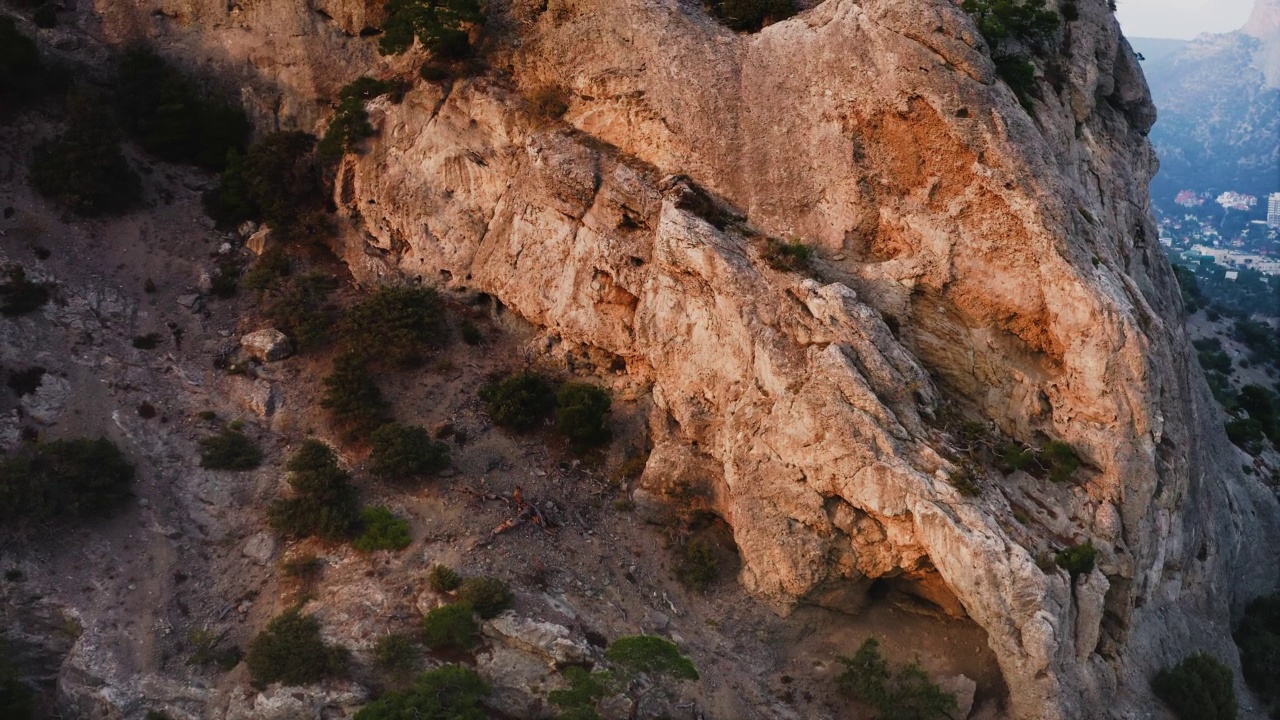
[
  {"x": 1156, "y": 49},
  {"x": 1218, "y": 100}
]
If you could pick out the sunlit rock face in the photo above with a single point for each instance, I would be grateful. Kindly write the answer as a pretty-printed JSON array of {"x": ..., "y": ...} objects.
[{"x": 970, "y": 256}]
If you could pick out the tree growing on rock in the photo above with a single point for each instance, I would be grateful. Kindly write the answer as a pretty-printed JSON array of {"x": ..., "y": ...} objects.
[
  {"x": 449, "y": 692},
  {"x": 440, "y": 25},
  {"x": 640, "y": 666}
]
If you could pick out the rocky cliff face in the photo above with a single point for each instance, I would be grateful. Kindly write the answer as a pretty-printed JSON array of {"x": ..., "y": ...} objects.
[{"x": 1013, "y": 257}]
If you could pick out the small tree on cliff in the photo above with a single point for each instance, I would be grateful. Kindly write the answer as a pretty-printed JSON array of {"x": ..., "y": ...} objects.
[{"x": 441, "y": 26}]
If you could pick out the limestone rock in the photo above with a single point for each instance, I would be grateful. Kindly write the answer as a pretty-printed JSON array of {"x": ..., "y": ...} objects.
[
  {"x": 256, "y": 394},
  {"x": 963, "y": 689},
  {"x": 516, "y": 677},
  {"x": 259, "y": 241},
  {"x": 877, "y": 130},
  {"x": 261, "y": 548},
  {"x": 291, "y": 703},
  {"x": 555, "y": 643},
  {"x": 267, "y": 345}
]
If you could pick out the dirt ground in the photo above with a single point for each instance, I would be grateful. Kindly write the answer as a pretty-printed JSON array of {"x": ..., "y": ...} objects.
[{"x": 191, "y": 558}]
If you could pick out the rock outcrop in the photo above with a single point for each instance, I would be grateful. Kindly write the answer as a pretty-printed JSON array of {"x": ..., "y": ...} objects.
[{"x": 975, "y": 256}]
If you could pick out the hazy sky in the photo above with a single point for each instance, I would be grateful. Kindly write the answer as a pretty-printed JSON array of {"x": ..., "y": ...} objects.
[{"x": 1181, "y": 18}]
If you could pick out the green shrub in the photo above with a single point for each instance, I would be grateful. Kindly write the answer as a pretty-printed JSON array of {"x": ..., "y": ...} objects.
[
  {"x": 78, "y": 478},
  {"x": 229, "y": 450},
  {"x": 698, "y": 565},
  {"x": 350, "y": 124},
  {"x": 636, "y": 655},
  {"x": 440, "y": 25},
  {"x": 170, "y": 117},
  {"x": 519, "y": 401},
  {"x": 381, "y": 530},
  {"x": 290, "y": 651},
  {"x": 353, "y": 398},
  {"x": 1025, "y": 21},
  {"x": 432, "y": 72},
  {"x": 1198, "y": 688},
  {"x": 471, "y": 334},
  {"x": 751, "y": 15},
  {"x": 451, "y": 627},
  {"x": 1078, "y": 559},
  {"x": 406, "y": 451},
  {"x": 1061, "y": 461},
  {"x": 489, "y": 596},
  {"x": 83, "y": 168},
  {"x": 785, "y": 256},
  {"x": 1259, "y": 639},
  {"x": 582, "y": 414},
  {"x": 324, "y": 502},
  {"x": 268, "y": 270},
  {"x": 278, "y": 181},
  {"x": 443, "y": 578},
  {"x": 19, "y": 295},
  {"x": 302, "y": 312},
  {"x": 905, "y": 694},
  {"x": 395, "y": 324},
  {"x": 395, "y": 652},
  {"x": 578, "y": 701},
  {"x": 1012, "y": 28},
  {"x": 450, "y": 692},
  {"x": 640, "y": 664}
]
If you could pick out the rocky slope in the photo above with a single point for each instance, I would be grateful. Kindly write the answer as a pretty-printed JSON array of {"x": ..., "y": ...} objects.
[
  {"x": 973, "y": 259},
  {"x": 1219, "y": 100}
]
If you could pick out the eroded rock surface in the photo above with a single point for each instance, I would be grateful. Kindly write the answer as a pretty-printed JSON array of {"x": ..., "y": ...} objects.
[{"x": 972, "y": 255}]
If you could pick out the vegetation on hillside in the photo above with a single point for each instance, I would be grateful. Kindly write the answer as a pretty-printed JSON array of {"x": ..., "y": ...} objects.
[
  {"x": 1015, "y": 30},
  {"x": 230, "y": 449},
  {"x": 64, "y": 479},
  {"x": 381, "y": 529},
  {"x": 277, "y": 181},
  {"x": 1258, "y": 636},
  {"x": 904, "y": 693},
  {"x": 290, "y": 651},
  {"x": 750, "y": 15},
  {"x": 83, "y": 169},
  {"x": 402, "y": 452},
  {"x": 172, "y": 117},
  {"x": 519, "y": 401},
  {"x": 449, "y": 692},
  {"x": 440, "y": 25},
  {"x": 324, "y": 502},
  {"x": 350, "y": 124},
  {"x": 639, "y": 666},
  {"x": 1198, "y": 688},
  {"x": 353, "y": 399},
  {"x": 396, "y": 325}
]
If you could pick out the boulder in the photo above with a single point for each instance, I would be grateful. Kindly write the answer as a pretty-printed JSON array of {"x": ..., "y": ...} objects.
[
  {"x": 258, "y": 241},
  {"x": 267, "y": 345}
]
